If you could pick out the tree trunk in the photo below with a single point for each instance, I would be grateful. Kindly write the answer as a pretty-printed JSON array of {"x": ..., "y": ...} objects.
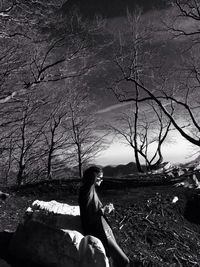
[
  {"x": 137, "y": 160},
  {"x": 50, "y": 154},
  {"x": 79, "y": 161},
  {"x": 20, "y": 175},
  {"x": 158, "y": 162},
  {"x": 9, "y": 166},
  {"x": 49, "y": 167}
]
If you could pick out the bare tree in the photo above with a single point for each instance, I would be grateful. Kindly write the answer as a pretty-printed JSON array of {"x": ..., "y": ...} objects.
[
  {"x": 177, "y": 89},
  {"x": 45, "y": 44},
  {"x": 163, "y": 126},
  {"x": 151, "y": 128},
  {"x": 56, "y": 137},
  {"x": 134, "y": 46},
  {"x": 28, "y": 130},
  {"x": 86, "y": 137},
  {"x": 185, "y": 13},
  {"x": 7, "y": 158},
  {"x": 41, "y": 49}
]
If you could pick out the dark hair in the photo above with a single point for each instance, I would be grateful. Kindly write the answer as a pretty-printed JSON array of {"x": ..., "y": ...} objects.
[{"x": 90, "y": 174}]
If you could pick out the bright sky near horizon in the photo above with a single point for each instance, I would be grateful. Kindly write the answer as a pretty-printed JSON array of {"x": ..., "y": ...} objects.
[
  {"x": 176, "y": 150},
  {"x": 179, "y": 151}
]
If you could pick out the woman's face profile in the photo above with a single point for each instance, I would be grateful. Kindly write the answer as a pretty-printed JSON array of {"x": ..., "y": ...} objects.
[{"x": 99, "y": 179}]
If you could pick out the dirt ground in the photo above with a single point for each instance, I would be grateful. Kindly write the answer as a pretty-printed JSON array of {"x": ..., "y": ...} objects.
[{"x": 151, "y": 229}]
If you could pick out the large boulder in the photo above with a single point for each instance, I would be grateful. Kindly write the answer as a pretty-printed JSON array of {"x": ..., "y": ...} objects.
[
  {"x": 51, "y": 236},
  {"x": 44, "y": 245}
]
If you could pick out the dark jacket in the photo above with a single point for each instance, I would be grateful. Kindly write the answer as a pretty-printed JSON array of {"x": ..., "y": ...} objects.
[{"x": 94, "y": 221}]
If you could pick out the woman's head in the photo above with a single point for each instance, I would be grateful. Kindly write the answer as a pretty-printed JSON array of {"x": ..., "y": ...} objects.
[{"x": 93, "y": 176}]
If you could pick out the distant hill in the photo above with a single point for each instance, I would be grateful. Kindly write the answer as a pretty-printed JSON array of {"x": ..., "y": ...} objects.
[
  {"x": 62, "y": 172},
  {"x": 120, "y": 170}
]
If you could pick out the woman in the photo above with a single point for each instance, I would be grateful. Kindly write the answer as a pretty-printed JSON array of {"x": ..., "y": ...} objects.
[{"x": 93, "y": 218}]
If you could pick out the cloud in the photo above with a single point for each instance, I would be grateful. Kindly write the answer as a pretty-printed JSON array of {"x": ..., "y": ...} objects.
[{"x": 113, "y": 107}]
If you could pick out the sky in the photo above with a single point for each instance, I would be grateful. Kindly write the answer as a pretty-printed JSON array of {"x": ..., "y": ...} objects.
[
  {"x": 114, "y": 8},
  {"x": 114, "y": 12},
  {"x": 175, "y": 150},
  {"x": 180, "y": 151}
]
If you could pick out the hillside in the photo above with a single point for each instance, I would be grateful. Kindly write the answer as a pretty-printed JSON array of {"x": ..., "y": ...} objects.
[{"x": 120, "y": 170}]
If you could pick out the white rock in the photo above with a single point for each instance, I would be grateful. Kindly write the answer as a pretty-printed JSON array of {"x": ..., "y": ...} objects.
[
  {"x": 197, "y": 167},
  {"x": 55, "y": 214},
  {"x": 92, "y": 253},
  {"x": 167, "y": 166},
  {"x": 56, "y": 207},
  {"x": 175, "y": 199},
  {"x": 29, "y": 209}
]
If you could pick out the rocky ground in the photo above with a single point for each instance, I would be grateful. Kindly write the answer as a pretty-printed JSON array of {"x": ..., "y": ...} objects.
[{"x": 151, "y": 229}]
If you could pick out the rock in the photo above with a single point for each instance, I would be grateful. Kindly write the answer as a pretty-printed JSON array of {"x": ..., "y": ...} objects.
[
  {"x": 197, "y": 167},
  {"x": 51, "y": 235},
  {"x": 92, "y": 253},
  {"x": 162, "y": 168},
  {"x": 191, "y": 181},
  {"x": 55, "y": 214},
  {"x": 56, "y": 207},
  {"x": 44, "y": 245},
  {"x": 175, "y": 199},
  {"x": 4, "y": 263}
]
